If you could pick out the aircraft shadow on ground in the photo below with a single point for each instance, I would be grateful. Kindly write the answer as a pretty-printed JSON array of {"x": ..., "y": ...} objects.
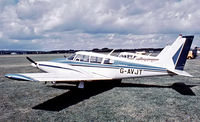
[
  {"x": 75, "y": 95},
  {"x": 181, "y": 88}
]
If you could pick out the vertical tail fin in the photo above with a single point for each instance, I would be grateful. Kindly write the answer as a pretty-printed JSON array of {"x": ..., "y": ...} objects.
[
  {"x": 175, "y": 56},
  {"x": 180, "y": 57}
]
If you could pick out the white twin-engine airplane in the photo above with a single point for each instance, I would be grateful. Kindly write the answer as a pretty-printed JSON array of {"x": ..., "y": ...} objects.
[{"x": 89, "y": 66}]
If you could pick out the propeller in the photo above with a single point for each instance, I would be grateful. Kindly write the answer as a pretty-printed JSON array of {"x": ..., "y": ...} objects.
[{"x": 31, "y": 60}]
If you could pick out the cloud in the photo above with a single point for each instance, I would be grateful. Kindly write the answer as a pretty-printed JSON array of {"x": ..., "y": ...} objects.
[{"x": 76, "y": 24}]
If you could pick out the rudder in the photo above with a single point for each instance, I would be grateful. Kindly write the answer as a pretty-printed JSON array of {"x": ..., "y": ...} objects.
[{"x": 180, "y": 57}]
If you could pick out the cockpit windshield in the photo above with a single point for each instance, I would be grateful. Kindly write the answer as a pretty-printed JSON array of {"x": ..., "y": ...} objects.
[{"x": 71, "y": 57}]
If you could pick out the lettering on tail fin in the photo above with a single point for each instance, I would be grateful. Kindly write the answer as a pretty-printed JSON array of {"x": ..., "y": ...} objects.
[{"x": 180, "y": 56}]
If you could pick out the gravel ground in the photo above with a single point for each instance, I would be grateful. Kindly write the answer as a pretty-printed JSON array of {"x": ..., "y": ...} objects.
[{"x": 141, "y": 99}]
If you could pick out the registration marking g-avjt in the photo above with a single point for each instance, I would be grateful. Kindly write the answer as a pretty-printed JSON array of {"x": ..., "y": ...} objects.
[{"x": 130, "y": 71}]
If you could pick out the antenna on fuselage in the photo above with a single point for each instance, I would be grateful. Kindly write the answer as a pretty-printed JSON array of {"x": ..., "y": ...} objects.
[{"x": 111, "y": 52}]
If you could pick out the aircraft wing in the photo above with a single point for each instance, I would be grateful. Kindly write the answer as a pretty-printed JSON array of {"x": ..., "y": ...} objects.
[{"x": 55, "y": 77}]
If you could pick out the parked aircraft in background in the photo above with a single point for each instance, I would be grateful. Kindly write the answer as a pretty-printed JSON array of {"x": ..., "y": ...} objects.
[
  {"x": 89, "y": 66},
  {"x": 142, "y": 55}
]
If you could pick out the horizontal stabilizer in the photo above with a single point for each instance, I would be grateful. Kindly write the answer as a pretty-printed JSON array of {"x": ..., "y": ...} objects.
[{"x": 180, "y": 72}]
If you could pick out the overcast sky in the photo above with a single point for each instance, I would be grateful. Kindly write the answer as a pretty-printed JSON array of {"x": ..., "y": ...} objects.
[{"x": 88, "y": 24}]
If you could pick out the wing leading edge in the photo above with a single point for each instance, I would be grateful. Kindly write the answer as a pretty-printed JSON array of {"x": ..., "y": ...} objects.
[{"x": 54, "y": 77}]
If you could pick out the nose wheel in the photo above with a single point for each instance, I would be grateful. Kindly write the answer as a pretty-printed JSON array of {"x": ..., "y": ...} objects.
[{"x": 81, "y": 85}]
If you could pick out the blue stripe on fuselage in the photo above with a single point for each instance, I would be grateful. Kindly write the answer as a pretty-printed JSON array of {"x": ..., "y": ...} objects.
[
  {"x": 58, "y": 67},
  {"x": 116, "y": 64}
]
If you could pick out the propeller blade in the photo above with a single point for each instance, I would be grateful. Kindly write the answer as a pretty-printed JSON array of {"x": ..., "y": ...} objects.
[{"x": 31, "y": 60}]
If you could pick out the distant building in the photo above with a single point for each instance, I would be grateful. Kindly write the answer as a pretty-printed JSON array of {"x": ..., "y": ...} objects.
[{"x": 13, "y": 53}]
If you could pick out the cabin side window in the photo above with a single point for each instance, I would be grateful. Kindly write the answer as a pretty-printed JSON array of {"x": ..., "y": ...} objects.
[
  {"x": 84, "y": 58},
  {"x": 94, "y": 59},
  {"x": 129, "y": 56},
  {"x": 122, "y": 56},
  {"x": 108, "y": 61}
]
